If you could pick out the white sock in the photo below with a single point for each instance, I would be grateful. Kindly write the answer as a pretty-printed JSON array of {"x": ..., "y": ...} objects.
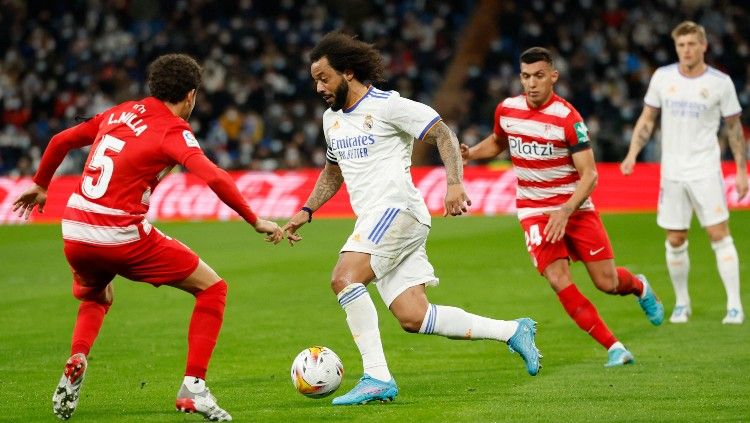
[
  {"x": 455, "y": 323},
  {"x": 616, "y": 345},
  {"x": 729, "y": 270},
  {"x": 678, "y": 264},
  {"x": 194, "y": 384},
  {"x": 363, "y": 323}
]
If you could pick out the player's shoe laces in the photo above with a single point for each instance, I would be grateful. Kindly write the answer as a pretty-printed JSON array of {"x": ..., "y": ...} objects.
[
  {"x": 369, "y": 389},
  {"x": 680, "y": 314},
  {"x": 202, "y": 403},
  {"x": 65, "y": 397},
  {"x": 734, "y": 316},
  {"x": 619, "y": 357},
  {"x": 522, "y": 342},
  {"x": 650, "y": 303}
]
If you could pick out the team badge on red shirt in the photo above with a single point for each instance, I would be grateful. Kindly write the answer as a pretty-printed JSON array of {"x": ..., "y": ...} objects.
[{"x": 190, "y": 139}]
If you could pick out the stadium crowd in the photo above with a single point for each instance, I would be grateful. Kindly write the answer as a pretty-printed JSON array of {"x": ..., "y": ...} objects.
[{"x": 258, "y": 108}]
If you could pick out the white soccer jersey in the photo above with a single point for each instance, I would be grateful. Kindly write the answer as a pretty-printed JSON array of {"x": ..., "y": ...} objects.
[
  {"x": 372, "y": 143},
  {"x": 691, "y": 109}
]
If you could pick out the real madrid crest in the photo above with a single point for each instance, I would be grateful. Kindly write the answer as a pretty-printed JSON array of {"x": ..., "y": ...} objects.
[
  {"x": 704, "y": 93},
  {"x": 368, "y": 123}
]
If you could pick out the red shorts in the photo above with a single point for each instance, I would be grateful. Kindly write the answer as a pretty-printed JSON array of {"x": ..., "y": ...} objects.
[
  {"x": 585, "y": 240},
  {"x": 155, "y": 258}
]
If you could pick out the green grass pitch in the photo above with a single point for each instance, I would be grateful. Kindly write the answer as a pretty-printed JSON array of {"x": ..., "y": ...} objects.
[{"x": 280, "y": 302}]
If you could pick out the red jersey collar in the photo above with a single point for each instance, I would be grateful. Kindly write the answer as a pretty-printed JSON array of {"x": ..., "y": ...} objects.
[{"x": 552, "y": 98}]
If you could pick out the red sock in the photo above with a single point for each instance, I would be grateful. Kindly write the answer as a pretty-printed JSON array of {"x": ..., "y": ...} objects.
[
  {"x": 628, "y": 283},
  {"x": 580, "y": 309},
  {"x": 205, "y": 325},
  {"x": 89, "y": 321}
]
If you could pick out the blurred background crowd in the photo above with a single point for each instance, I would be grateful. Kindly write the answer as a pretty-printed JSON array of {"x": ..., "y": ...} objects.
[{"x": 258, "y": 108}]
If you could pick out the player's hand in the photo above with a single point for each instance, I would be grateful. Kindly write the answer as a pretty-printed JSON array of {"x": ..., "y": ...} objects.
[
  {"x": 25, "y": 203},
  {"x": 291, "y": 227},
  {"x": 555, "y": 229},
  {"x": 627, "y": 166},
  {"x": 465, "y": 153},
  {"x": 740, "y": 183},
  {"x": 456, "y": 200},
  {"x": 271, "y": 229}
]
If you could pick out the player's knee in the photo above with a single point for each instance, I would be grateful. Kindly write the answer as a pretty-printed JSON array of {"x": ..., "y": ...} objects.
[
  {"x": 677, "y": 239},
  {"x": 338, "y": 284},
  {"x": 606, "y": 282},
  {"x": 103, "y": 295},
  {"x": 558, "y": 280},
  {"x": 410, "y": 324}
]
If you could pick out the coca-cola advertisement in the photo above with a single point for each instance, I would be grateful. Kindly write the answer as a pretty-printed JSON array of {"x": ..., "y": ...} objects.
[{"x": 280, "y": 194}]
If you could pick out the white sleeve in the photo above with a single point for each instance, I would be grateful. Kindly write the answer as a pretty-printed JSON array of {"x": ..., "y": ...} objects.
[
  {"x": 330, "y": 155},
  {"x": 653, "y": 98},
  {"x": 729, "y": 103},
  {"x": 410, "y": 116}
]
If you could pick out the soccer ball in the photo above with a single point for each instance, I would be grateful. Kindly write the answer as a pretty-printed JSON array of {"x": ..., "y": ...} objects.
[{"x": 317, "y": 372}]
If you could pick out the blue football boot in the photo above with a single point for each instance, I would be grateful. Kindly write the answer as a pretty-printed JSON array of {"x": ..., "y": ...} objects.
[
  {"x": 619, "y": 357},
  {"x": 650, "y": 303},
  {"x": 522, "y": 342},
  {"x": 369, "y": 389}
]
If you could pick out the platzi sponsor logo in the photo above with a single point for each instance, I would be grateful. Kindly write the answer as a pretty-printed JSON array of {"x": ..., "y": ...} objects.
[{"x": 529, "y": 149}]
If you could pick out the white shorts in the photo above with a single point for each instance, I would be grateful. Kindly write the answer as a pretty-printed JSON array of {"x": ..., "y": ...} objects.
[
  {"x": 678, "y": 199},
  {"x": 395, "y": 240}
]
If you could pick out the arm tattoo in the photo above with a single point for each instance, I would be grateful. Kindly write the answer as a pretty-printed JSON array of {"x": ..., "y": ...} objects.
[
  {"x": 737, "y": 142},
  {"x": 447, "y": 144},
  {"x": 643, "y": 134},
  {"x": 327, "y": 186}
]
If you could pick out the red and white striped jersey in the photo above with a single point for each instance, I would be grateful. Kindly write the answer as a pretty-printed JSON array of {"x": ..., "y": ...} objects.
[
  {"x": 541, "y": 143},
  {"x": 133, "y": 145}
]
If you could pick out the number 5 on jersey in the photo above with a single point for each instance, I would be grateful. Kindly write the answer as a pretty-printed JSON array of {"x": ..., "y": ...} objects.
[
  {"x": 100, "y": 161},
  {"x": 533, "y": 237}
]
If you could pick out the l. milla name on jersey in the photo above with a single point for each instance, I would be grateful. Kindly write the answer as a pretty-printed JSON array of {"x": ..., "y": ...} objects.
[
  {"x": 533, "y": 148},
  {"x": 129, "y": 119},
  {"x": 355, "y": 147}
]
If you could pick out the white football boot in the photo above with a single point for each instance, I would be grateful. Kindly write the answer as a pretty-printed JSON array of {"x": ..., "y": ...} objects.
[
  {"x": 65, "y": 397},
  {"x": 202, "y": 403}
]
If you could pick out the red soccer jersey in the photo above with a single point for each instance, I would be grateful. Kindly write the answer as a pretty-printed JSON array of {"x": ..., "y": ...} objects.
[
  {"x": 541, "y": 143},
  {"x": 134, "y": 145}
]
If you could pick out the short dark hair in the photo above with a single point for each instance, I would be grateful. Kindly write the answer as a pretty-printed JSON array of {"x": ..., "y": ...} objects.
[
  {"x": 537, "y": 54},
  {"x": 346, "y": 52},
  {"x": 172, "y": 76}
]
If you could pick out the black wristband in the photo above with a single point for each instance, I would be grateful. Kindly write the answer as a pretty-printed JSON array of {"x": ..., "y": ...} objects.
[{"x": 309, "y": 213}]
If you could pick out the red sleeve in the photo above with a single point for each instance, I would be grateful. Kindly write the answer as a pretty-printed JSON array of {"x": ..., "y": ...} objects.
[
  {"x": 78, "y": 136},
  {"x": 498, "y": 130},
  {"x": 179, "y": 144},
  {"x": 221, "y": 183},
  {"x": 576, "y": 132}
]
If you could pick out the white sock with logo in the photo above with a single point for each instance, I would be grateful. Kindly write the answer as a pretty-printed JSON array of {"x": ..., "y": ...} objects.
[
  {"x": 194, "y": 384},
  {"x": 729, "y": 270},
  {"x": 363, "y": 324},
  {"x": 455, "y": 323},
  {"x": 678, "y": 264}
]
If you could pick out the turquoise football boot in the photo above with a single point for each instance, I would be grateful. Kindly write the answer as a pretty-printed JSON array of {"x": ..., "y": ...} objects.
[
  {"x": 650, "y": 303},
  {"x": 522, "y": 342},
  {"x": 369, "y": 389},
  {"x": 619, "y": 357}
]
